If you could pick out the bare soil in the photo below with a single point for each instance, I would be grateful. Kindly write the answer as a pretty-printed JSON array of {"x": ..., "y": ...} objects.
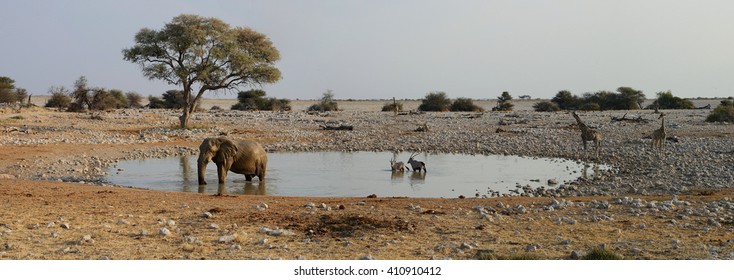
[{"x": 57, "y": 220}]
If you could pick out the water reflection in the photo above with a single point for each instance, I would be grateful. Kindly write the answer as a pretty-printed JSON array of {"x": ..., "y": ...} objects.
[
  {"x": 359, "y": 174},
  {"x": 397, "y": 176},
  {"x": 417, "y": 178}
]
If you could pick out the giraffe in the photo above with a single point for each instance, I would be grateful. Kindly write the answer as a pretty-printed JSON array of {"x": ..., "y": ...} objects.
[
  {"x": 588, "y": 134},
  {"x": 658, "y": 136}
]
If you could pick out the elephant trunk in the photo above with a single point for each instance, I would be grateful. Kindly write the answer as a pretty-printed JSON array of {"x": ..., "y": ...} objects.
[{"x": 201, "y": 167}]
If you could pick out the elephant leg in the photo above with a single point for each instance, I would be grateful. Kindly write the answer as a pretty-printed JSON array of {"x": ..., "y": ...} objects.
[{"x": 222, "y": 173}]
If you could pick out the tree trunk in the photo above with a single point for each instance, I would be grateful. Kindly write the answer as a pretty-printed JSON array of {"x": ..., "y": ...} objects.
[
  {"x": 187, "y": 107},
  {"x": 184, "y": 118}
]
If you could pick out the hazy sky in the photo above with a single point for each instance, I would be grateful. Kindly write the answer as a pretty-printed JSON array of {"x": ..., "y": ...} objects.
[{"x": 380, "y": 49}]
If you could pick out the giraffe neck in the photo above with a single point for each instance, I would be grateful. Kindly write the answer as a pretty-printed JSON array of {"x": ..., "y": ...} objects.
[
  {"x": 662, "y": 125},
  {"x": 579, "y": 122}
]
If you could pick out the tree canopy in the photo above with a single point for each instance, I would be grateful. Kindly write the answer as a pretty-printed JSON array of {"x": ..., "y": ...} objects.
[
  {"x": 193, "y": 51},
  {"x": 9, "y": 93}
]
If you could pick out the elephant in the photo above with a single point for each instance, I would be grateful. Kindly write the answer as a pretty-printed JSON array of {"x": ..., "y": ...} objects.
[{"x": 246, "y": 157}]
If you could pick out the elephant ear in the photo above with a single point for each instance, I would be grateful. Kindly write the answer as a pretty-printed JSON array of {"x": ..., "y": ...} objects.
[{"x": 227, "y": 148}]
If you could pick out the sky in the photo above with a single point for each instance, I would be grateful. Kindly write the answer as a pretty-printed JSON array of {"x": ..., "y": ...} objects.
[{"x": 381, "y": 49}]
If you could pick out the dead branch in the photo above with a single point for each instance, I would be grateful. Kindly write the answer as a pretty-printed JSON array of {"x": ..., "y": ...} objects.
[{"x": 624, "y": 118}]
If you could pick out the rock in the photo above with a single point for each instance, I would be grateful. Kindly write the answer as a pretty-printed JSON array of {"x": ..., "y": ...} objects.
[
  {"x": 713, "y": 222},
  {"x": 577, "y": 254},
  {"x": 164, "y": 231},
  {"x": 279, "y": 232},
  {"x": 234, "y": 247},
  {"x": 170, "y": 223},
  {"x": 143, "y": 233},
  {"x": 207, "y": 215},
  {"x": 65, "y": 226},
  {"x": 261, "y": 207},
  {"x": 227, "y": 238},
  {"x": 552, "y": 182},
  {"x": 213, "y": 226},
  {"x": 366, "y": 257},
  {"x": 532, "y": 248},
  {"x": 191, "y": 239},
  {"x": 87, "y": 239}
]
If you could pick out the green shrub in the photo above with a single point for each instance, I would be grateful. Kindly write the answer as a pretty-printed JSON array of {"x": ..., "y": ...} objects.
[
  {"x": 103, "y": 100},
  {"x": 171, "y": 99},
  {"x": 86, "y": 98},
  {"x": 327, "y": 103},
  {"x": 156, "y": 102},
  {"x": 465, "y": 105},
  {"x": 59, "y": 98},
  {"x": 121, "y": 100},
  {"x": 625, "y": 98},
  {"x": 602, "y": 254},
  {"x": 9, "y": 93},
  {"x": 722, "y": 113},
  {"x": 435, "y": 102},
  {"x": 503, "y": 102},
  {"x": 666, "y": 100},
  {"x": 255, "y": 100},
  {"x": 134, "y": 99},
  {"x": 275, "y": 104},
  {"x": 566, "y": 101},
  {"x": 174, "y": 99},
  {"x": 392, "y": 106},
  {"x": 590, "y": 107},
  {"x": 546, "y": 106}
]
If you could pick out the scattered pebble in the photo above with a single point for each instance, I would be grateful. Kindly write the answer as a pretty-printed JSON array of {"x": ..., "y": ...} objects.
[
  {"x": 227, "y": 238},
  {"x": 164, "y": 231}
]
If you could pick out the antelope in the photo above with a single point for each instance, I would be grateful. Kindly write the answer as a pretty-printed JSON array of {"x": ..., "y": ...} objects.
[
  {"x": 397, "y": 166},
  {"x": 416, "y": 165}
]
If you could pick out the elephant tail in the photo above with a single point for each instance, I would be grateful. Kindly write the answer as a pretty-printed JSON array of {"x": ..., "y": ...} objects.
[{"x": 262, "y": 170}]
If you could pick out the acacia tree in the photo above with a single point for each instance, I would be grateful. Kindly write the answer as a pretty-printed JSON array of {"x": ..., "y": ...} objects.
[{"x": 193, "y": 51}]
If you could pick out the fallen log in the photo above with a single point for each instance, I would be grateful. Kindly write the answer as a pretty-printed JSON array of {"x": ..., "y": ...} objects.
[{"x": 341, "y": 127}]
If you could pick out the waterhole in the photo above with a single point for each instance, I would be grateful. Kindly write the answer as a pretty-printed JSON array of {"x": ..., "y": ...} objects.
[{"x": 359, "y": 174}]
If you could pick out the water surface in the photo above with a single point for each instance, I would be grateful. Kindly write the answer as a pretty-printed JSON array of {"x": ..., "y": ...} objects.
[{"x": 357, "y": 174}]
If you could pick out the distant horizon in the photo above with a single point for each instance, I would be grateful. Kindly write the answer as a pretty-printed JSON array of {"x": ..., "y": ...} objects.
[
  {"x": 514, "y": 99},
  {"x": 407, "y": 48}
]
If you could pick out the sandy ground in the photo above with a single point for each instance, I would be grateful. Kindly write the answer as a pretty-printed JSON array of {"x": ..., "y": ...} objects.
[{"x": 57, "y": 220}]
